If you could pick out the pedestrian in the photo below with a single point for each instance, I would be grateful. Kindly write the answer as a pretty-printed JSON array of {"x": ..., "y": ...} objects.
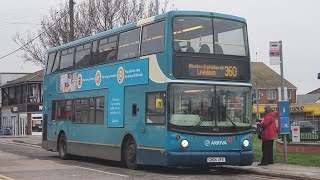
[{"x": 269, "y": 132}]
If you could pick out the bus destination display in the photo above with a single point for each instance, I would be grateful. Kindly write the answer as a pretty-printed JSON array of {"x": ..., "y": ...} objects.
[{"x": 211, "y": 70}]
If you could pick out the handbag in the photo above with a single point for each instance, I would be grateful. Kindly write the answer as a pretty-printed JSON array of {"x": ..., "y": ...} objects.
[{"x": 259, "y": 132}]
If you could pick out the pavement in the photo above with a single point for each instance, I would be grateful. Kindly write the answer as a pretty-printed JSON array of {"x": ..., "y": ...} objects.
[{"x": 275, "y": 170}]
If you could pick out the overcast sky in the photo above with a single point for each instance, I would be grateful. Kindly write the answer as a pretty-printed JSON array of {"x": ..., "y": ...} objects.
[{"x": 296, "y": 23}]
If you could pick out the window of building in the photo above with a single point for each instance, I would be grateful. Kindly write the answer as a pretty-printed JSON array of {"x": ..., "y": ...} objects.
[
  {"x": 153, "y": 38},
  {"x": 94, "y": 53},
  {"x": 82, "y": 57},
  {"x": 64, "y": 110},
  {"x": 66, "y": 62},
  {"x": 18, "y": 94},
  {"x": 129, "y": 44},
  {"x": 100, "y": 110},
  {"x": 289, "y": 93},
  {"x": 271, "y": 94},
  {"x": 12, "y": 96},
  {"x": 55, "y": 67},
  {"x": 107, "y": 49},
  {"x": 81, "y": 110},
  {"x": 155, "y": 110},
  {"x": 254, "y": 95}
]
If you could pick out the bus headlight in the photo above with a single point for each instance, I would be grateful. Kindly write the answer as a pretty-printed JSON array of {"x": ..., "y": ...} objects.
[
  {"x": 245, "y": 143},
  {"x": 184, "y": 143}
]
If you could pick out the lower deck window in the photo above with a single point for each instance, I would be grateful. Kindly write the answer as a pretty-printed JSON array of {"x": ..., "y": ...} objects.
[
  {"x": 84, "y": 110},
  {"x": 155, "y": 108}
]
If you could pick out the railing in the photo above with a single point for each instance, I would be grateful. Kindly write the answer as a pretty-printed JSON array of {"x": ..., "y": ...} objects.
[{"x": 309, "y": 129}]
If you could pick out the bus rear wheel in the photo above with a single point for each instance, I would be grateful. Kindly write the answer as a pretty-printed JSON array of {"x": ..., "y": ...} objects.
[
  {"x": 62, "y": 146},
  {"x": 130, "y": 154}
]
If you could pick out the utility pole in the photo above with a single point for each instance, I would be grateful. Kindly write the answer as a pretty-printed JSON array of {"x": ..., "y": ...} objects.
[
  {"x": 282, "y": 98},
  {"x": 157, "y": 7},
  {"x": 71, "y": 14}
]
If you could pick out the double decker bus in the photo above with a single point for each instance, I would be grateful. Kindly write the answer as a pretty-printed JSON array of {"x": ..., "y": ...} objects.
[{"x": 170, "y": 90}]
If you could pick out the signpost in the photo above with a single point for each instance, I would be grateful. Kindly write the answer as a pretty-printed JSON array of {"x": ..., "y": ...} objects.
[
  {"x": 274, "y": 52},
  {"x": 276, "y": 58}
]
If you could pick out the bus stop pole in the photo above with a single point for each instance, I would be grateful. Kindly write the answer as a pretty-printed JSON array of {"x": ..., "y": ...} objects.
[{"x": 282, "y": 98}]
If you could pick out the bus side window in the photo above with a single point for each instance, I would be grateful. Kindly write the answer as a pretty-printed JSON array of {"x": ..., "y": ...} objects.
[
  {"x": 50, "y": 62},
  {"x": 82, "y": 57},
  {"x": 129, "y": 44},
  {"x": 55, "y": 67},
  {"x": 107, "y": 49},
  {"x": 155, "y": 111},
  {"x": 94, "y": 53},
  {"x": 153, "y": 38},
  {"x": 66, "y": 62}
]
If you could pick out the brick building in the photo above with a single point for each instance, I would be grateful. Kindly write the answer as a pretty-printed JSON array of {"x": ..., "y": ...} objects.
[{"x": 266, "y": 82}]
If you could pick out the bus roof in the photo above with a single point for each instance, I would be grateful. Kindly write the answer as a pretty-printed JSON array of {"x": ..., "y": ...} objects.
[{"x": 135, "y": 24}]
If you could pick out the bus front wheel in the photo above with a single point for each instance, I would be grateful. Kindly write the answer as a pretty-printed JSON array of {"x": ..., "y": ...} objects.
[
  {"x": 131, "y": 154},
  {"x": 62, "y": 147}
]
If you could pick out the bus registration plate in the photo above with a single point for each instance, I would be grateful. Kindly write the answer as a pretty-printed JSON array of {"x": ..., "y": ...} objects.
[{"x": 216, "y": 159}]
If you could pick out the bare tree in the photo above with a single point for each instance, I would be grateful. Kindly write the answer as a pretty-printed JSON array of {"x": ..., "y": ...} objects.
[{"x": 91, "y": 17}]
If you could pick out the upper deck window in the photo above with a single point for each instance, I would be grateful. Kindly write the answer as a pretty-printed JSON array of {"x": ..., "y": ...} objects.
[
  {"x": 230, "y": 36},
  {"x": 129, "y": 44},
  {"x": 206, "y": 35},
  {"x": 193, "y": 35},
  {"x": 55, "y": 67},
  {"x": 107, "y": 49},
  {"x": 153, "y": 38},
  {"x": 66, "y": 62},
  {"x": 82, "y": 58},
  {"x": 50, "y": 62}
]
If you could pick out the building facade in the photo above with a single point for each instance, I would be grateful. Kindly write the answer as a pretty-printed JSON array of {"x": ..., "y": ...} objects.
[
  {"x": 21, "y": 110},
  {"x": 266, "y": 89}
]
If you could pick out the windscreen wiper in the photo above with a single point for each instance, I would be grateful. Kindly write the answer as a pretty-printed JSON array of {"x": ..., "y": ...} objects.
[
  {"x": 233, "y": 124},
  {"x": 201, "y": 120}
]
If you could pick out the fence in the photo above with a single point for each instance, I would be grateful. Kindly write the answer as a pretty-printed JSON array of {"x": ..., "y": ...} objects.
[{"x": 309, "y": 129}]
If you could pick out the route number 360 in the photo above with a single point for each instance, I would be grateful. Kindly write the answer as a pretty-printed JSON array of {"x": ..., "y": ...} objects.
[{"x": 231, "y": 71}]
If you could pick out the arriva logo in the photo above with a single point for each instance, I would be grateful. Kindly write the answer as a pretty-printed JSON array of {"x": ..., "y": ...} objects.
[{"x": 215, "y": 143}]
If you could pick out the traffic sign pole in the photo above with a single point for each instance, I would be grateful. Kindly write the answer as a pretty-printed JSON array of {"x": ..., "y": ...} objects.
[{"x": 282, "y": 98}]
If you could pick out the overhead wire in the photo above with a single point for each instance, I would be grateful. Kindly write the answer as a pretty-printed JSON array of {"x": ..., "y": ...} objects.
[{"x": 34, "y": 37}]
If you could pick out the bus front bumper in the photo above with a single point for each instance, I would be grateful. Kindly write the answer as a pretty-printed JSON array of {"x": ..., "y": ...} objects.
[{"x": 178, "y": 158}]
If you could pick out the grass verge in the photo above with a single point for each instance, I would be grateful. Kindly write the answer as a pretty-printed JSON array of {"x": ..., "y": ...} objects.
[{"x": 293, "y": 158}]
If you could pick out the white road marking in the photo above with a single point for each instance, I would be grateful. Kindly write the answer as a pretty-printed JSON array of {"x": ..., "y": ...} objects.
[
  {"x": 105, "y": 172},
  {"x": 2, "y": 177}
]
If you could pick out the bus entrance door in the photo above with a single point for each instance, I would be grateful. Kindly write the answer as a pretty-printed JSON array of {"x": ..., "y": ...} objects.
[{"x": 154, "y": 133}]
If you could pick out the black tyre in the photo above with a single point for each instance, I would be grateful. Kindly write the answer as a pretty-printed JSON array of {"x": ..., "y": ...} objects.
[
  {"x": 62, "y": 147},
  {"x": 130, "y": 154}
]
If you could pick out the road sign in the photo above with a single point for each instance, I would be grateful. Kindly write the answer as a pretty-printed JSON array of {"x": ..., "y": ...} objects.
[
  {"x": 283, "y": 117},
  {"x": 274, "y": 52}
]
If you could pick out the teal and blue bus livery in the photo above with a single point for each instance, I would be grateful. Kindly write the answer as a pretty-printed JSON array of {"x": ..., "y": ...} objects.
[{"x": 170, "y": 90}]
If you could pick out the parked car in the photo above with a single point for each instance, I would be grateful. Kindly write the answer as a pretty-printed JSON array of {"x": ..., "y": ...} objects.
[{"x": 305, "y": 126}]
